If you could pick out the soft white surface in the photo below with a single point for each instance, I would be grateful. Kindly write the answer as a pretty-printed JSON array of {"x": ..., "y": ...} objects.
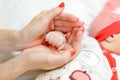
[{"x": 15, "y": 14}]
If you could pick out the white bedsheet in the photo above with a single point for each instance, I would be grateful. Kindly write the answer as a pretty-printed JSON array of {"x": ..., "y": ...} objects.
[{"x": 15, "y": 14}]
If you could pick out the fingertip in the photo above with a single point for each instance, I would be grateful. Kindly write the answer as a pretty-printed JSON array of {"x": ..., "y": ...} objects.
[
  {"x": 78, "y": 40},
  {"x": 73, "y": 52},
  {"x": 56, "y": 10},
  {"x": 82, "y": 29},
  {"x": 61, "y": 5},
  {"x": 80, "y": 32}
]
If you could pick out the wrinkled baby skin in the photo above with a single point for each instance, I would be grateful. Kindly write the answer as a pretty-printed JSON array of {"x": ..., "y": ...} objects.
[{"x": 56, "y": 39}]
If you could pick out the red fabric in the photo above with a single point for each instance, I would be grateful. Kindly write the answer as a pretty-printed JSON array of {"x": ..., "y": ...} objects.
[
  {"x": 114, "y": 28},
  {"x": 112, "y": 62}
]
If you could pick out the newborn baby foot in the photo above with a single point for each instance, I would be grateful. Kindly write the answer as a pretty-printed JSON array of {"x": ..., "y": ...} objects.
[{"x": 56, "y": 39}]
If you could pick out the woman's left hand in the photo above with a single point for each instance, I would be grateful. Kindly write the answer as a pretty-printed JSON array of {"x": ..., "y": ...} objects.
[{"x": 55, "y": 18}]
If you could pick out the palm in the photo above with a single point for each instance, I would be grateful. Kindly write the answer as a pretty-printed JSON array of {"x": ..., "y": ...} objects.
[{"x": 47, "y": 55}]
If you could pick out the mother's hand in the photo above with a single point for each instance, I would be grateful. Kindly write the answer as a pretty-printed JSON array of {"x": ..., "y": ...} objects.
[
  {"x": 55, "y": 19},
  {"x": 47, "y": 57}
]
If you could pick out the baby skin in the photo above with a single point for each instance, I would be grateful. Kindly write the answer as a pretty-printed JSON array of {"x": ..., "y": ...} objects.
[{"x": 56, "y": 39}]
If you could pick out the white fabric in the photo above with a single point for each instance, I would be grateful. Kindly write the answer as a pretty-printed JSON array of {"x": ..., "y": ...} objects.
[
  {"x": 90, "y": 59},
  {"x": 16, "y": 14}
]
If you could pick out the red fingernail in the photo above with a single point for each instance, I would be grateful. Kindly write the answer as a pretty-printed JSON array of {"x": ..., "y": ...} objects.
[
  {"x": 73, "y": 53},
  {"x": 61, "y": 5}
]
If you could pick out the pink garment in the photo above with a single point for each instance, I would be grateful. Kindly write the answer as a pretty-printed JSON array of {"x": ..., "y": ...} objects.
[{"x": 106, "y": 17}]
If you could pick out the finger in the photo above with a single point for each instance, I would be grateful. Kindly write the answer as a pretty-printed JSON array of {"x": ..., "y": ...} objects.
[
  {"x": 68, "y": 24},
  {"x": 42, "y": 13},
  {"x": 62, "y": 57},
  {"x": 63, "y": 29},
  {"x": 52, "y": 26},
  {"x": 34, "y": 43},
  {"x": 76, "y": 43},
  {"x": 55, "y": 11},
  {"x": 73, "y": 34},
  {"x": 67, "y": 17}
]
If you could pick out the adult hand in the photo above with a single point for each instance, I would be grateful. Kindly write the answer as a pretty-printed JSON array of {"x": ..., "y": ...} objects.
[
  {"x": 55, "y": 19},
  {"x": 47, "y": 57}
]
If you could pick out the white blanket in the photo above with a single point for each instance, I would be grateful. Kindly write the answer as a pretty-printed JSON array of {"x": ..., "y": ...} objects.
[{"x": 16, "y": 14}]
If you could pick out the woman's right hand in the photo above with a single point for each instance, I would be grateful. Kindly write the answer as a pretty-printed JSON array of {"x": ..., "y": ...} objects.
[
  {"x": 47, "y": 57},
  {"x": 55, "y": 18}
]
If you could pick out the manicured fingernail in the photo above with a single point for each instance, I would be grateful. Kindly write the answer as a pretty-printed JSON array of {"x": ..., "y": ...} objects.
[
  {"x": 73, "y": 52},
  {"x": 61, "y": 5}
]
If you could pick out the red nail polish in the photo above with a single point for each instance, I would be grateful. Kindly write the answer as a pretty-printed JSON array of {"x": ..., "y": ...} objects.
[
  {"x": 44, "y": 42},
  {"x": 73, "y": 52},
  {"x": 61, "y": 5}
]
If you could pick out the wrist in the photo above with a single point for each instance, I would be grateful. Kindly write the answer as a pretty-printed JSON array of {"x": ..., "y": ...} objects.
[
  {"x": 28, "y": 61},
  {"x": 12, "y": 69},
  {"x": 20, "y": 64},
  {"x": 20, "y": 43},
  {"x": 26, "y": 40}
]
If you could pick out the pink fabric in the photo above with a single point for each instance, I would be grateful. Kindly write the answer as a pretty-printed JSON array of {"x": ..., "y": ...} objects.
[
  {"x": 79, "y": 75},
  {"x": 106, "y": 17}
]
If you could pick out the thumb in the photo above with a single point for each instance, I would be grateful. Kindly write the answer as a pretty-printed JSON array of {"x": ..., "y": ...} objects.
[{"x": 55, "y": 11}]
